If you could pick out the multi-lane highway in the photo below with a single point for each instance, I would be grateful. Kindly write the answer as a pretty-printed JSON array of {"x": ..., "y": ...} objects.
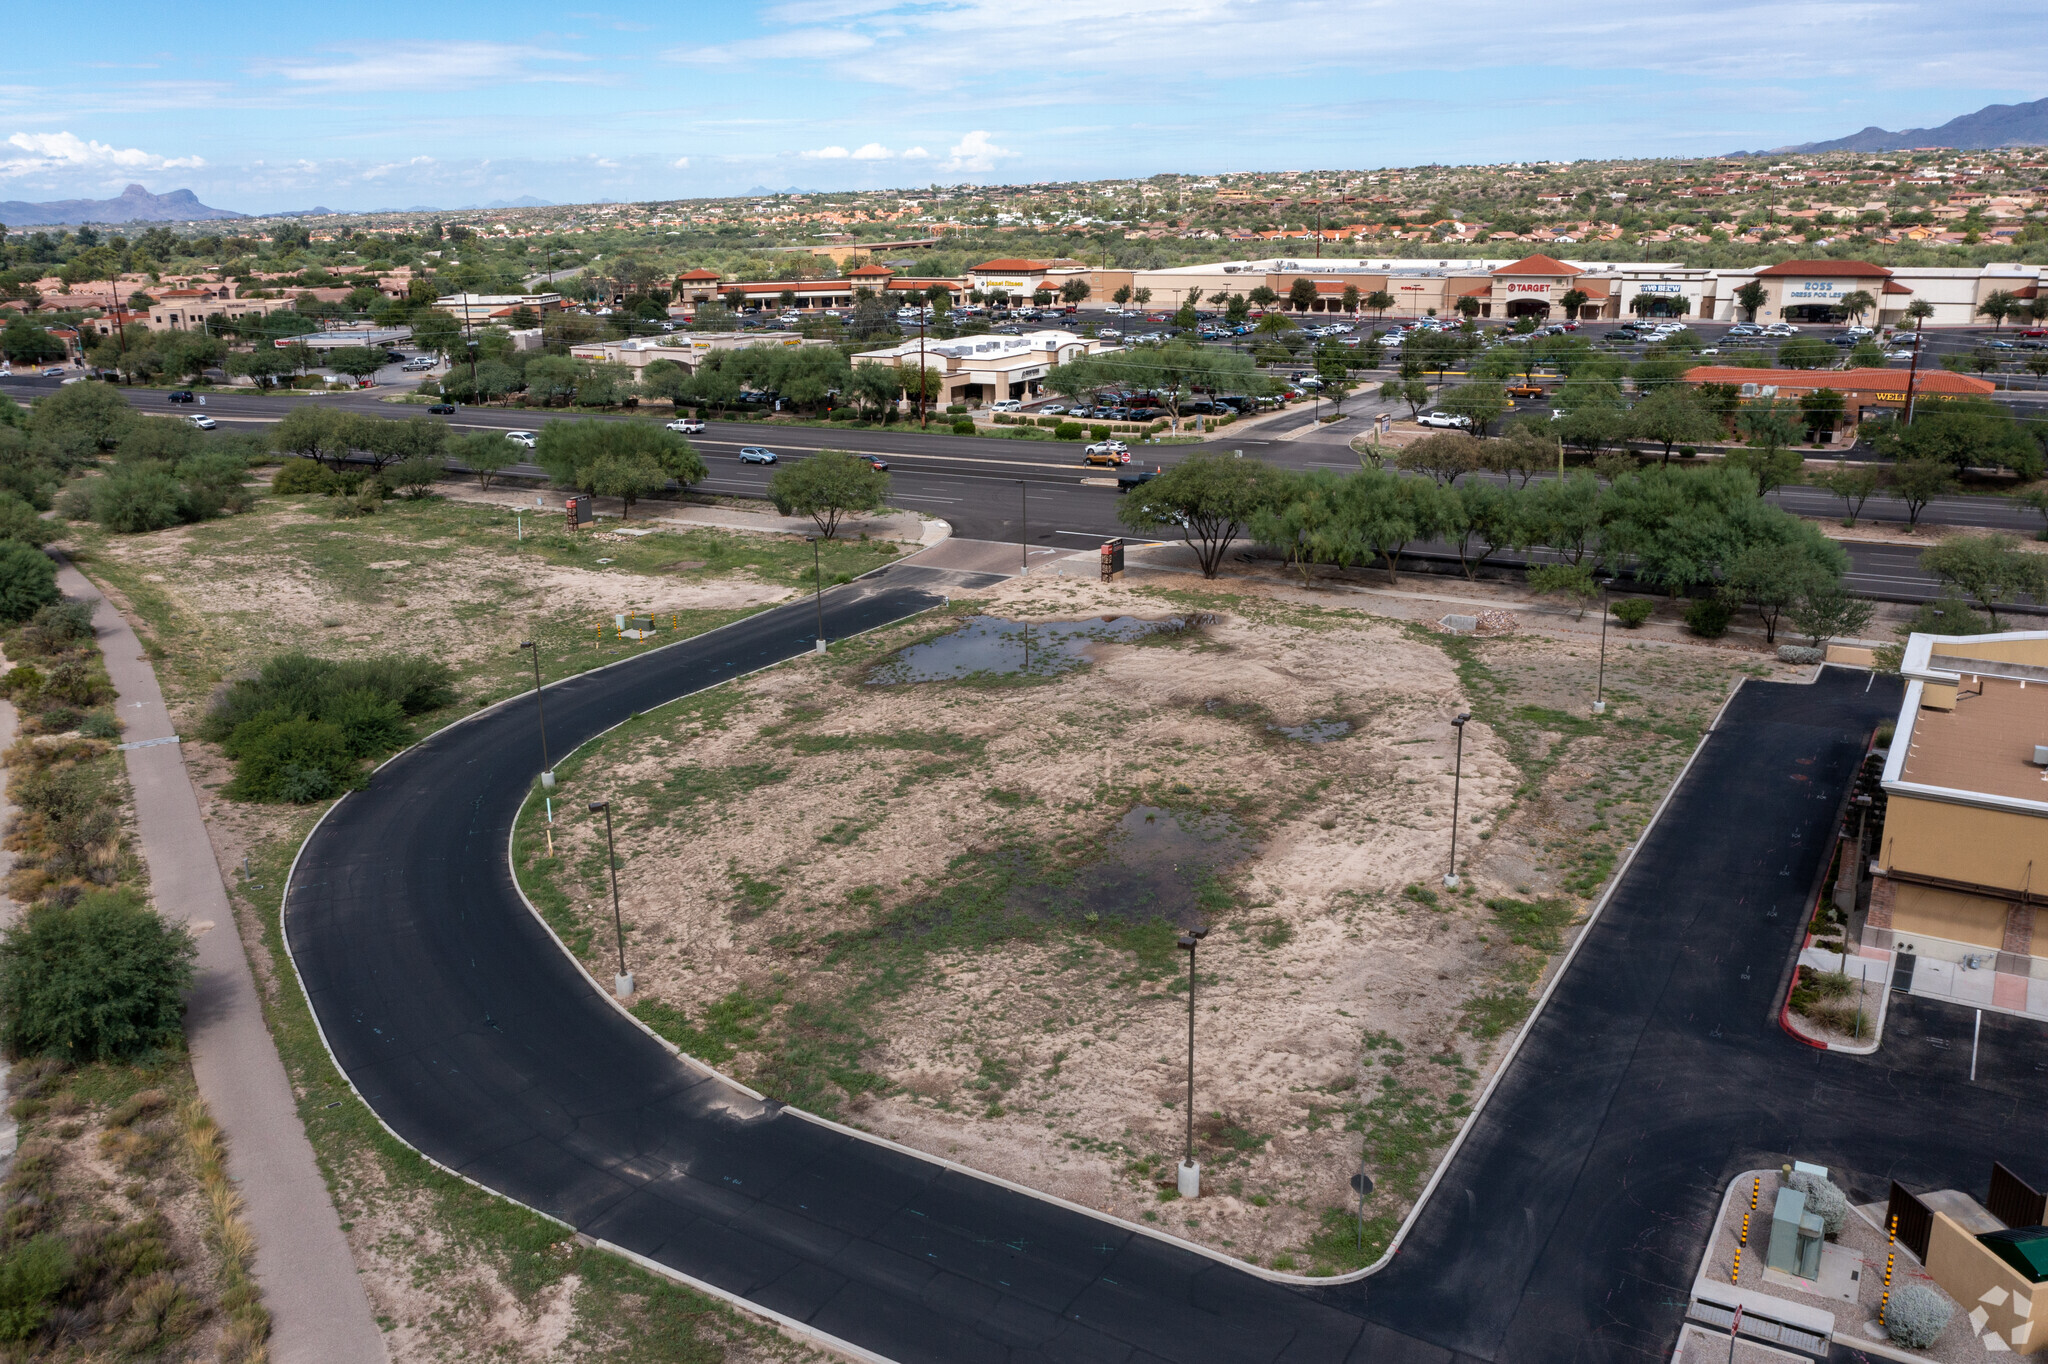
[{"x": 986, "y": 488}]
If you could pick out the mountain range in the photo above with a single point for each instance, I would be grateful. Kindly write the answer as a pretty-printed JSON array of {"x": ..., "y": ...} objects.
[
  {"x": 1995, "y": 125},
  {"x": 135, "y": 205}
]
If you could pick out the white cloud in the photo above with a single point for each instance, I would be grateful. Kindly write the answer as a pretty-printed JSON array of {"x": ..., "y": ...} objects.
[
  {"x": 430, "y": 66},
  {"x": 680, "y": 163},
  {"x": 65, "y": 151},
  {"x": 975, "y": 154},
  {"x": 917, "y": 154},
  {"x": 811, "y": 44},
  {"x": 873, "y": 151},
  {"x": 827, "y": 154}
]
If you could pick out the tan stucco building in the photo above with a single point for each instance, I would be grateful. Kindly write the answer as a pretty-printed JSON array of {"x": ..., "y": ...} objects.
[{"x": 1965, "y": 835}]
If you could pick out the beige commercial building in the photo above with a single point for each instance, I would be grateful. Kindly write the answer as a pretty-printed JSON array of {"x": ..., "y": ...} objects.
[
  {"x": 687, "y": 349},
  {"x": 977, "y": 370},
  {"x": 1966, "y": 819}
]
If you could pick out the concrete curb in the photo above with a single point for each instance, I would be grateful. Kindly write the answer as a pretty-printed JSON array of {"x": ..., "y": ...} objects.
[{"x": 320, "y": 1313}]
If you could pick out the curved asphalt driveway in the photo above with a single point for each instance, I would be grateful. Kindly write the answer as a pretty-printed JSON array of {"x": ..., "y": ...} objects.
[{"x": 1568, "y": 1225}]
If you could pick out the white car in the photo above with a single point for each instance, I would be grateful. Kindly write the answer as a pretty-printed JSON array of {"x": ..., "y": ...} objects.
[
  {"x": 1898, "y": 355},
  {"x": 1781, "y": 329},
  {"x": 204, "y": 423},
  {"x": 687, "y": 426},
  {"x": 523, "y": 438},
  {"x": 1449, "y": 419}
]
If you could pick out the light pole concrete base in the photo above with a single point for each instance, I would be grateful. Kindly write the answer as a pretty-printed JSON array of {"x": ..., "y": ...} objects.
[
  {"x": 623, "y": 985},
  {"x": 1599, "y": 707},
  {"x": 547, "y": 780},
  {"x": 1450, "y": 880},
  {"x": 1191, "y": 1179},
  {"x": 819, "y": 647}
]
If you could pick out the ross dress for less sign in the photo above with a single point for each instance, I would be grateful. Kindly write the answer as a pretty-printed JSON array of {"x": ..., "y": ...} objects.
[{"x": 1815, "y": 291}]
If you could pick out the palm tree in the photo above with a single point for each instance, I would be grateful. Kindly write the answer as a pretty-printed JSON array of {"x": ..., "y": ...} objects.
[
  {"x": 1379, "y": 300},
  {"x": 1856, "y": 304}
]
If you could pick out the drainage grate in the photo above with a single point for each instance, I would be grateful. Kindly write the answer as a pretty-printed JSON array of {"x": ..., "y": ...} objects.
[{"x": 1760, "y": 1328}]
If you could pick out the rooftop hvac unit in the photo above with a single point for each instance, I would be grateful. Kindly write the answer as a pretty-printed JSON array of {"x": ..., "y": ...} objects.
[{"x": 2041, "y": 755}]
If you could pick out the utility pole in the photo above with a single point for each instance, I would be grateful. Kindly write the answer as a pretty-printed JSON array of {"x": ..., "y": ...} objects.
[
  {"x": 623, "y": 985},
  {"x": 1024, "y": 527},
  {"x": 921, "y": 381}
]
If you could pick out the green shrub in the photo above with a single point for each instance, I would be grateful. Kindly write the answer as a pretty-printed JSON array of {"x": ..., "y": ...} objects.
[
  {"x": 134, "y": 498},
  {"x": 102, "y": 979},
  {"x": 1098, "y": 433},
  {"x": 1054, "y": 422},
  {"x": 963, "y": 426},
  {"x": 31, "y": 1277},
  {"x": 19, "y": 521},
  {"x": 417, "y": 476},
  {"x": 955, "y": 409},
  {"x": 1708, "y": 617},
  {"x": 28, "y": 581},
  {"x": 291, "y": 760},
  {"x": 1633, "y": 611},
  {"x": 22, "y": 682},
  {"x": 296, "y": 477},
  {"x": 54, "y": 629},
  {"x": 300, "y": 728},
  {"x": 1067, "y": 431}
]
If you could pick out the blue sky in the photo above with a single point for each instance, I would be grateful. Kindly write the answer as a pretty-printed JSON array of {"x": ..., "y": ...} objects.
[{"x": 368, "y": 105}]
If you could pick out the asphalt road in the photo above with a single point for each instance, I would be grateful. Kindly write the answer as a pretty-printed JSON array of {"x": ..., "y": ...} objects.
[
  {"x": 974, "y": 482},
  {"x": 1568, "y": 1226}
]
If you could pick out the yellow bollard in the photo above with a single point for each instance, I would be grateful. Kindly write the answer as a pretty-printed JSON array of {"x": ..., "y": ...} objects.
[
  {"x": 1735, "y": 1276},
  {"x": 1891, "y": 1255}
]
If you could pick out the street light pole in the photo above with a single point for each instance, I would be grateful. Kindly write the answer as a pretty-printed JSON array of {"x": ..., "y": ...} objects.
[
  {"x": 547, "y": 769},
  {"x": 1600, "y": 678},
  {"x": 622, "y": 985},
  {"x": 1190, "y": 1182},
  {"x": 1457, "y": 783},
  {"x": 818, "y": 592},
  {"x": 471, "y": 343},
  {"x": 1024, "y": 526}
]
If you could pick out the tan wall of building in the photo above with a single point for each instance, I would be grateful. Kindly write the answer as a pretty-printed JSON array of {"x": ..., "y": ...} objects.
[
  {"x": 1967, "y": 1271},
  {"x": 2033, "y": 651},
  {"x": 1964, "y": 843},
  {"x": 1951, "y": 914}
]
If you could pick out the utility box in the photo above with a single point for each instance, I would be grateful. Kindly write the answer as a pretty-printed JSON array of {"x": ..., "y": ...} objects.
[
  {"x": 578, "y": 509},
  {"x": 1796, "y": 1236},
  {"x": 1112, "y": 560}
]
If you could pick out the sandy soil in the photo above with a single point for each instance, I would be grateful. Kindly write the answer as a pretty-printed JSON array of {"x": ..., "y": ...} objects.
[{"x": 1055, "y": 1061}]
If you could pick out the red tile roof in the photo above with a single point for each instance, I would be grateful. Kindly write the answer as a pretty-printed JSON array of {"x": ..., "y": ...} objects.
[
  {"x": 1827, "y": 269},
  {"x": 699, "y": 274},
  {"x": 865, "y": 271},
  {"x": 1892, "y": 286},
  {"x": 1859, "y": 380},
  {"x": 1539, "y": 264}
]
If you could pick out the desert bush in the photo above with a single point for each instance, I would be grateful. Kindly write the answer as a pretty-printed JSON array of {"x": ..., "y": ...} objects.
[
  {"x": 415, "y": 477},
  {"x": 31, "y": 1277},
  {"x": 55, "y": 628},
  {"x": 102, "y": 979},
  {"x": 1824, "y": 1199},
  {"x": 290, "y": 759},
  {"x": 963, "y": 426},
  {"x": 297, "y": 477},
  {"x": 136, "y": 498},
  {"x": 21, "y": 682},
  {"x": 1708, "y": 617},
  {"x": 1633, "y": 611},
  {"x": 1800, "y": 653},
  {"x": 1917, "y": 1316},
  {"x": 20, "y": 521},
  {"x": 1067, "y": 431},
  {"x": 299, "y": 729},
  {"x": 28, "y": 581}
]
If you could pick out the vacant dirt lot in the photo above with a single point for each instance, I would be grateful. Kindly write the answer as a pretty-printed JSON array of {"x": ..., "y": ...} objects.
[{"x": 946, "y": 910}]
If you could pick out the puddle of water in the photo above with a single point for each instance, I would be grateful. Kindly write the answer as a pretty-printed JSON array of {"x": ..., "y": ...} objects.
[
  {"x": 993, "y": 645},
  {"x": 1315, "y": 731},
  {"x": 1157, "y": 862}
]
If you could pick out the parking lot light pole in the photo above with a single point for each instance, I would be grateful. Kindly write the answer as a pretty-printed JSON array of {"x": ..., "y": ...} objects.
[
  {"x": 547, "y": 769},
  {"x": 1457, "y": 782},
  {"x": 1600, "y": 678},
  {"x": 1190, "y": 1181},
  {"x": 818, "y": 592},
  {"x": 1024, "y": 525},
  {"x": 622, "y": 985}
]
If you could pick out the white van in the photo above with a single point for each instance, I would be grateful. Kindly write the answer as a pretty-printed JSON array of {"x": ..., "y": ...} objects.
[{"x": 1007, "y": 405}]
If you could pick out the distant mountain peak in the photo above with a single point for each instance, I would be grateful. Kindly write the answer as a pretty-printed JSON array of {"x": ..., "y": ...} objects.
[
  {"x": 135, "y": 205},
  {"x": 1995, "y": 125}
]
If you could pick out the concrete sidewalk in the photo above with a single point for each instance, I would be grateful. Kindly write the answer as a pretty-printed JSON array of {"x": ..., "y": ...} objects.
[{"x": 319, "y": 1312}]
